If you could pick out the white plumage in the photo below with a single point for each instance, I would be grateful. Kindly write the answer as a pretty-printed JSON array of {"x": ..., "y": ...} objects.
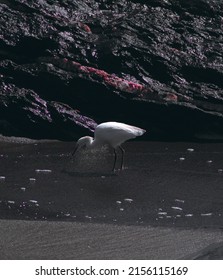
[{"x": 112, "y": 134}]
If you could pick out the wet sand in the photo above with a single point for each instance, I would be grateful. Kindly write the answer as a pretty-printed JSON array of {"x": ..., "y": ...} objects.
[
  {"x": 166, "y": 204},
  {"x": 64, "y": 240}
]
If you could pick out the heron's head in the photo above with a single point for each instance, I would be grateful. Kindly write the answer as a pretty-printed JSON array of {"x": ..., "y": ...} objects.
[{"x": 83, "y": 143}]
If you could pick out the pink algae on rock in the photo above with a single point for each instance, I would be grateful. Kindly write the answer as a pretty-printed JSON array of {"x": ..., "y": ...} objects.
[{"x": 90, "y": 72}]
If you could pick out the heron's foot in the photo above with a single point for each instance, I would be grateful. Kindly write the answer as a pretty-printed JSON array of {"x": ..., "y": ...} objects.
[
  {"x": 118, "y": 170},
  {"x": 115, "y": 171}
]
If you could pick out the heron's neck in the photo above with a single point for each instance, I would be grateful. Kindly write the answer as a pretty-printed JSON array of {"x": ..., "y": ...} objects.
[{"x": 95, "y": 143}]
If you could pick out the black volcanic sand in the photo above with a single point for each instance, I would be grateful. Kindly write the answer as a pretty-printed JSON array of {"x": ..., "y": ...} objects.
[{"x": 166, "y": 204}]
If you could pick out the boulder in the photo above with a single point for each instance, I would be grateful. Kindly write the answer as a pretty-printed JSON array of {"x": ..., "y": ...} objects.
[{"x": 68, "y": 65}]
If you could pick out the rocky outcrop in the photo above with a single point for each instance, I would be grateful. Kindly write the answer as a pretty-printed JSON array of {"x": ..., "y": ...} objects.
[{"x": 67, "y": 65}]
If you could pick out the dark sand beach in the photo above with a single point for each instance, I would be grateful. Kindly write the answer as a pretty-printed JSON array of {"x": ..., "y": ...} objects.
[{"x": 166, "y": 204}]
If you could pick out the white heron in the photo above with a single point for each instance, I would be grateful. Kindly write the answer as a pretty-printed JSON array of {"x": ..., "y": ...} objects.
[{"x": 112, "y": 134}]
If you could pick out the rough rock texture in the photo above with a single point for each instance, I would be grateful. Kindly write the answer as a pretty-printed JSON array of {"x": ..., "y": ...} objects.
[{"x": 67, "y": 65}]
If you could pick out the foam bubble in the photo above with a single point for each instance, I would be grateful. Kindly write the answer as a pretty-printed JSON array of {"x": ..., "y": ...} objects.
[
  {"x": 128, "y": 200},
  {"x": 33, "y": 201},
  {"x": 176, "y": 208},
  {"x": 162, "y": 213},
  {"x": 43, "y": 170},
  {"x": 11, "y": 201},
  {"x": 189, "y": 215},
  {"x": 206, "y": 214},
  {"x": 179, "y": 200}
]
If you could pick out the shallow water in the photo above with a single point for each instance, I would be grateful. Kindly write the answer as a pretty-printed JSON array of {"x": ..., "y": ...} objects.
[{"x": 167, "y": 184}]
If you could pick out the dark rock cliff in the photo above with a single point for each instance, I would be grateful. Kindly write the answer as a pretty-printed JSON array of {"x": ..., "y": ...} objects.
[{"x": 67, "y": 65}]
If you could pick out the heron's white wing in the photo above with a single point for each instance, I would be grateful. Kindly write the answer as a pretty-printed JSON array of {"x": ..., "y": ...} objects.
[{"x": 115, "y": 133}]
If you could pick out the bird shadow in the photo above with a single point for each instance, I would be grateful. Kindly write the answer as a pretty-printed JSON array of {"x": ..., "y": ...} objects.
[{"x": 89, "y": 174}]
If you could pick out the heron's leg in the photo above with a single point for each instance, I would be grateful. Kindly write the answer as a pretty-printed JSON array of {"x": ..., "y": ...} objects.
[
  {"x": 123, "y": 153},
  {"x": 115, "y": 154}
]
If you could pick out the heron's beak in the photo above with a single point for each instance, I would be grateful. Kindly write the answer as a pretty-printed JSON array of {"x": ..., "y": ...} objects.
[{"x": 74, "y": 151}]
